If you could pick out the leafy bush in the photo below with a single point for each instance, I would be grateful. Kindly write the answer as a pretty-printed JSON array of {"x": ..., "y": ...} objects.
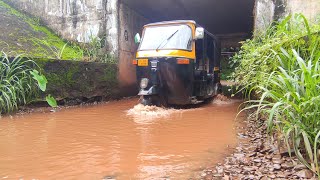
[
  {"x": 16, "y": 83},
  {"x": 257, "y": 57},
  {"x": 282, "y": 69}
]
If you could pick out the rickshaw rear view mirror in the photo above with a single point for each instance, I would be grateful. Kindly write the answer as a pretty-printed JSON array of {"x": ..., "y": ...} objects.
[
  {"x": 199, "y": 33},
  {"x": 137, "y": 38}
]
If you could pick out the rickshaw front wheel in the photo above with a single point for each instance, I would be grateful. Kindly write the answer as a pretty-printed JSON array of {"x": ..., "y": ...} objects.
[{"x": 146, "y": 101}]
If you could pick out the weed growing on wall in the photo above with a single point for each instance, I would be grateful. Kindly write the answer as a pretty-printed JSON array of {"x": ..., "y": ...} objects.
[{"x": 281, "y": 68}]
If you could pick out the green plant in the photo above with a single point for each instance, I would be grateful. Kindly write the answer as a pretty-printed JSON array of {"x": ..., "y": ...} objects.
[
  {"x": 281, "y": 68},
  {"x": 42, "y": 84},
  {"x": 15, "y": 82},
  {"x": 292, "y": 102},
  {"x": 256, "y": 59},
  {"x": 41, "y": 79}
]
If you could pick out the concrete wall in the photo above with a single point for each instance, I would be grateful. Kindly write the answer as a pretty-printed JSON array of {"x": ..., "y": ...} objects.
[
  {"x": 310, "y": 8},
  {"x": 267, "y": 11},
  {"x": 73, "y": 19},
  {"x": 130, "y": 23}
]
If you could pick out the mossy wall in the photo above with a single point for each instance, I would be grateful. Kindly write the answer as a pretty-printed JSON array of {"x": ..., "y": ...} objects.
[{"x": 75, "y": 79}]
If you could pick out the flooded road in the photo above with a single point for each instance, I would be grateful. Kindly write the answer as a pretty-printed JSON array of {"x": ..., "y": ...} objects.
[{"x": 119, "y": 140}]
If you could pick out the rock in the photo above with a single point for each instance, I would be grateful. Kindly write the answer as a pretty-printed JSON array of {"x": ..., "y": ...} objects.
[
  {"x": 225, "y": 177},
  {"x": 257, "y": 160},
  {"x": 281, "y": 175},
  {"x": 277, "y": 166},
  {"x": 219, "y": 169},
  {"x": 252, "y": 154},
  {"x": 287, "y": 165},
  {"x": 300, "y": 167},
  {"x": 238, "y": 155},
  {"x": 304, "y": 173},
  {"x": 272, "y": 176},
  {"x": 276, "y": 160}
]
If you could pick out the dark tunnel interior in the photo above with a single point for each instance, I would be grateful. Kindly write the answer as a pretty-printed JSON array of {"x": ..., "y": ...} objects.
[{"x": 225, "y": 18}]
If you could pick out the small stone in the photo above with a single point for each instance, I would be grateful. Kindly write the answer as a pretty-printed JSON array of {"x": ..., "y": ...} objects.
[
  {"x": 287, "y": 165},
  {"x": 276, "y": 161},
  {"x": 217, "y": 175},
  {"x": 225, "y": 177},
  {"x": 238, "y": 155},
  {"x": 272, "y": 176},
  {"x": 300, "y": 167},
  {"x": 281, "y": 175},
  {"x": 252, "y": 154},
  {"x": 277, "y": 166},
  {"x": 304, "y": 173},
  {"x": 257, "y": 160}
]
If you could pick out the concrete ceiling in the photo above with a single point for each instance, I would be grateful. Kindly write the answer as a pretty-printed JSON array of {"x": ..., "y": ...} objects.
[{"x": 218, "y": 16}]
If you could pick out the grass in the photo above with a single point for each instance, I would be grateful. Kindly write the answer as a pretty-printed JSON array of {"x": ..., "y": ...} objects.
[
  {"x": 280, "y": 72},
  {"x": 16, "y": 83}
]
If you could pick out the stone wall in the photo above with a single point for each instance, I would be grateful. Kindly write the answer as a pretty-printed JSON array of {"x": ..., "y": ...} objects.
[
  {"x": 72, "y": 19},
  {"x": 309, "y": 8},
  {"x": 267, "y": 11}
]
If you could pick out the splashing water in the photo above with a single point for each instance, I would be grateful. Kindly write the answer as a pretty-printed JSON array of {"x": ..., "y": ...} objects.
[
  {"x": 147, "y": 114},
  {"x": 223, "y": 100}
]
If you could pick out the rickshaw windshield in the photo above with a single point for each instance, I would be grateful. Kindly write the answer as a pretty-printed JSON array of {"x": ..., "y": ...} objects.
[{"x": 167, "y": 37}]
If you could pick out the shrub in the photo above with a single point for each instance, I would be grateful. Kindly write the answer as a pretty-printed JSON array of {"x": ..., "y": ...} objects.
[
  {"x": 281, "y": 68},
  {"x": 16, "y": 84}
]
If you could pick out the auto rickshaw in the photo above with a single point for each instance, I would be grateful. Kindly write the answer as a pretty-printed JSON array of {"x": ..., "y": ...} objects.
[{"x": 177, "y": 63}]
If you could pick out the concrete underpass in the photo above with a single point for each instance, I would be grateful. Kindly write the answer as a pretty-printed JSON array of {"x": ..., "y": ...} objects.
[
  {"x": 117, "y": 21},
  {"x": 231, "y": 20}
]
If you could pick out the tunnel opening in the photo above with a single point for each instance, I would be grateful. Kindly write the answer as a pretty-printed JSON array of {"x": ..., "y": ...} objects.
[{"x": 231, "y": 20}]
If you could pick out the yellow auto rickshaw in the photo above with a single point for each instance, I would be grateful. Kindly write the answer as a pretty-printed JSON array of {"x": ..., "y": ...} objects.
[{"x": 177, "y": 63}]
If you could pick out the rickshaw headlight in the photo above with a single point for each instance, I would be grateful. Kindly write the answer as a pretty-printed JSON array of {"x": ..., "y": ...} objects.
[{"x": 144, "y": 83}]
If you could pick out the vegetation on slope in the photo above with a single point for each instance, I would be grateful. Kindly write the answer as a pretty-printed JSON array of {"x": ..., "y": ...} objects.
[{"x": 25, "y": 35}]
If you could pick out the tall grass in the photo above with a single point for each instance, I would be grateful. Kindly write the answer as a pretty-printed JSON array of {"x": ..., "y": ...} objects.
[
  {"x": 281, "y": 69},
  {"x": 16, "y": 83}
]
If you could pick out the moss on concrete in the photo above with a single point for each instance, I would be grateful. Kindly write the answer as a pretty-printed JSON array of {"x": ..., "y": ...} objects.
[
  {"x": 74, "y": 79},
  {"x": 23, "y": 34}
]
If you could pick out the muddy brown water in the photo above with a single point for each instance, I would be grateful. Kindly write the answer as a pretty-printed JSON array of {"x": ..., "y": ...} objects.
[{"x": 119, "y": 140}]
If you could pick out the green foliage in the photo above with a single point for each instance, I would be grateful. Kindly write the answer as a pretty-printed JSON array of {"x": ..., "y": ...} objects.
[
  {"x": 94, "y": 51},
  {"x": 42, "y": 84},
  {"x": 41, "y": 79},
  {"x": 282, "y": 69},
  {"x": 15, "y": 83},
  {"x": 257, "y": 57},
  {"x": 51, "y": 101}
]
